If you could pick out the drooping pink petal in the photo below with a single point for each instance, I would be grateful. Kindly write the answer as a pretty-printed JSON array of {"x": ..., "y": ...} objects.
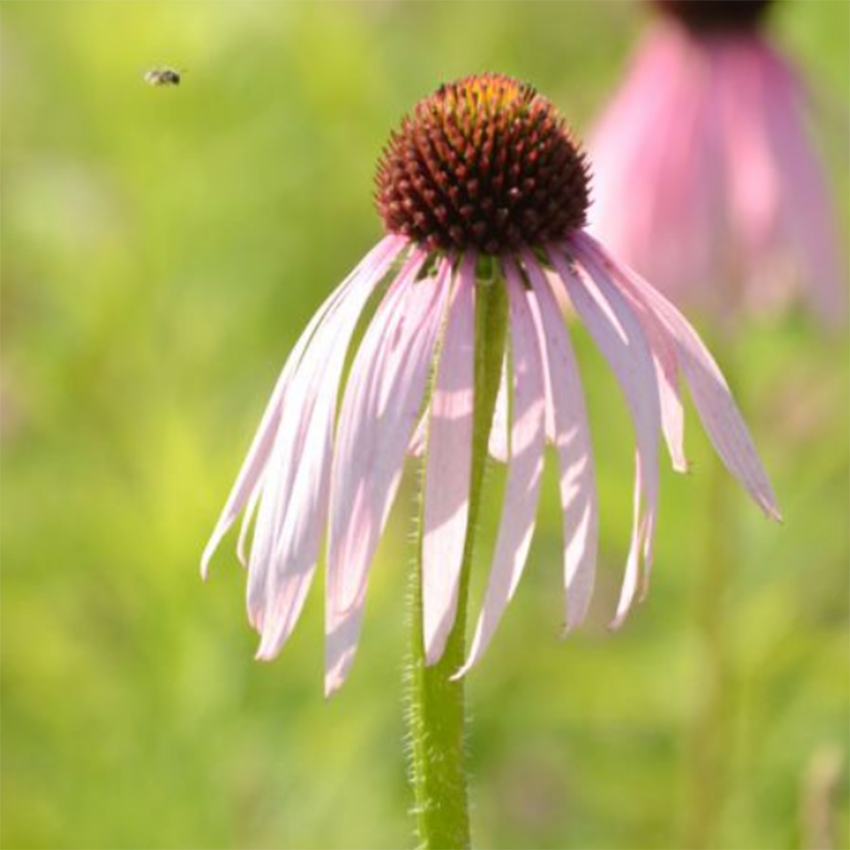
[
  {"x": 379, "y": 410},
  {"x": 525, "y": 469},
  {"x": 373, "y": 266},
  {"x": 247, "y": 518},
  {"x": 294, "y": 498},
  {"x": 620, "y": 337},
  {"x": 716, "y": 407},
  {"x": 666, "y": 372},
  {"x": 573, "y": 444},
  {"x": 534, "y": 305},
  {"x": 449, "y": 467},
  {"x": 255, "y": 463},
  {"x": 498, "y": 447},
  {"x": 419, "y": 440}
]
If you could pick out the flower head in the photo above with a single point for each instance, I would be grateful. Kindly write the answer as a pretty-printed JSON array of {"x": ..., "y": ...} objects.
[
  {"x": 709, "y": 132},
  {"x": 485, "y": 167}
]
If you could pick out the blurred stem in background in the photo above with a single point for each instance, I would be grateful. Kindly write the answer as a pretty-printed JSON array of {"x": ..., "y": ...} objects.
[
  {"x": 436, "y": 713},
  {"x": 711, "y": 743},
  {"x": 820, "y": 789}
]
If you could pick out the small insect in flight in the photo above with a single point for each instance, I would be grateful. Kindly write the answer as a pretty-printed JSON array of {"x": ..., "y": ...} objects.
[{"x": 163, "y": 77}]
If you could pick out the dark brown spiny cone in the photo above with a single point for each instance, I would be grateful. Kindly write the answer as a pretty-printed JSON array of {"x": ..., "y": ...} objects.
[
  {"x": 484, "y": 163},
  {"x": 715, "y": 15}
]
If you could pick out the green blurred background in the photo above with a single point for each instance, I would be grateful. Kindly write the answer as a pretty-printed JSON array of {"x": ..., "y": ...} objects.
[{"x": 162, "y": 248}]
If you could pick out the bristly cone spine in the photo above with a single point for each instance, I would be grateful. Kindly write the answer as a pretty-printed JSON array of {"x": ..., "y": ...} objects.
[{"x": 485, "y": 163}]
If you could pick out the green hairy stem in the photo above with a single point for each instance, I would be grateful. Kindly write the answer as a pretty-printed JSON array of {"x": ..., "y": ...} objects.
[{"x": 435, "y": 703}]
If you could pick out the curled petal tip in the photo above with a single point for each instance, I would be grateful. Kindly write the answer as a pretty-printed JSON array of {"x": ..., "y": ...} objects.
[
  {"x": 270, "y": 643},
  {"x": 683, "y": 466},
  {"x": 574, "y": 619},
  {"x": 619, "y": 619},
  {"x": 332, "y": 685},
  {"x": 460, "y": 673},
  {"x": 206, "y": 557},
  {"x": 643, "y": 591},
  {"x": 271, "y": 638},
  {"x": 571, "y": 622},
  {"x": 433, "y": 655},
  {"x": 340, "y": 649},
  {"x": 264, "y": 652},
  {"x": 767, "y": 502},
  {"x": 255, "y": 620}
]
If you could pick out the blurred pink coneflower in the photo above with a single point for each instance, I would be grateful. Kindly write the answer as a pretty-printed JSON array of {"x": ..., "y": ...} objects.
[
  {"x": 483, "y": 173},
  {"x": 706, "y": 181}
]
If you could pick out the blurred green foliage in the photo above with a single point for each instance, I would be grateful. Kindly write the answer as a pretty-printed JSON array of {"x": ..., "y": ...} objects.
[{"x": 162, "y": 249}]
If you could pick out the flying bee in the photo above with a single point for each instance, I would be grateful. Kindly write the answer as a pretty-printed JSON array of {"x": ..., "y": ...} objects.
[{"x": 163, "y": 77}]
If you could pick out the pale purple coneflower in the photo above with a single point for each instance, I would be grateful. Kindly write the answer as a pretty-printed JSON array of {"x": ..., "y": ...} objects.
[
  {"x": 484, "y": 168},
  {"x": 705, "y": 179}
]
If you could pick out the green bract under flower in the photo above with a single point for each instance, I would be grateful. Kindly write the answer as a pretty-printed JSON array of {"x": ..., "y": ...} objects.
[
  {"x": 715, "y": 15},
  {"x": 485, "y": 163}
]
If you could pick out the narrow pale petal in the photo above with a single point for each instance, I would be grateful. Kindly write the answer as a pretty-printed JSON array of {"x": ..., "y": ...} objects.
[
  {"x": 419, "y": 440},
  {"x": 572, "y": 442},
  {"x": 250, "y": 475},
  {"x": 294, "y": 498},
  {"x": 449, "y": 467},
  {"x": 525, "y": 470},
  {"x": 666, "y": 366},
  {"x": 374, "y": 265},
  {"x": 498, "y": 448},
  {"x": 667, "y": 375},
  {"x": 617, "y": 331},
  {"x": 379, "y": 410},
  {"x": 247, "y": 517},
  {"x": 716, "y": 407}
]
